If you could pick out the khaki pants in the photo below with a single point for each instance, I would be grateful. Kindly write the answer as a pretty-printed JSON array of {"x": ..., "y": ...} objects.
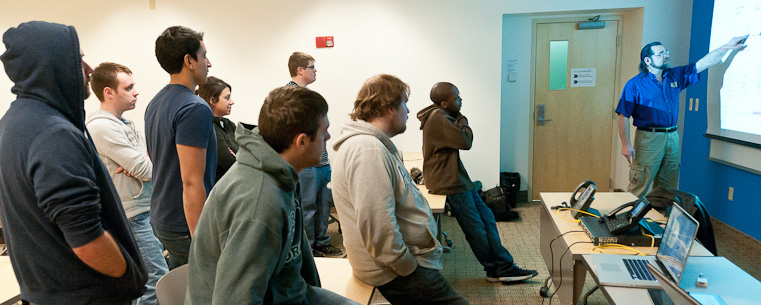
[{"x": 656, "y": 162}]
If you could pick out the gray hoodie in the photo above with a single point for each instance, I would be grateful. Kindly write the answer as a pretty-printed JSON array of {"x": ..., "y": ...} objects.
[
  {"x": 120, "y": 144},
  {"x": 388, "y": 227},
  {"x": 249, "y": 246}
]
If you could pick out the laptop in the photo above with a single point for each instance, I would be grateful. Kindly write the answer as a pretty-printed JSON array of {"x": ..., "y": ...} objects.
[
  {"x": 631, "y": 270},
  {"x": 677, "y": 295}
]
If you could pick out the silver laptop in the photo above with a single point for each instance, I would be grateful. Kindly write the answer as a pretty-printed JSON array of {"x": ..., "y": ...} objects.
[
  {"x": 675, "y": 293},
  {"x": 631, "y": 270}
]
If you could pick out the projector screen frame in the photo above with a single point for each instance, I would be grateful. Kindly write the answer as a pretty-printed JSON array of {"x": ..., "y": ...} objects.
[{"x": 732, "y": 140}]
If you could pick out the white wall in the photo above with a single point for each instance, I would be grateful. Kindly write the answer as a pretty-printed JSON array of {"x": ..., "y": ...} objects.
[{"x": 422, "y": 42}]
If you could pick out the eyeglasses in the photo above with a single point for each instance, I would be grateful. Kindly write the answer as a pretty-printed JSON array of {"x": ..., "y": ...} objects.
[
  {"x": 310, "y": 67},
  {"x": 662, "y": 54}
]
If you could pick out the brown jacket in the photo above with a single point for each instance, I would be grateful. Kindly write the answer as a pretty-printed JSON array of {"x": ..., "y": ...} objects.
[{"x": 444, "y": 135}]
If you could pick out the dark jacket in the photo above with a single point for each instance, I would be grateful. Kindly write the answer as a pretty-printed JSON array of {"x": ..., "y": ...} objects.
[
  {"x": 55, "y": 194},
  {"x": 444, "y": 136},
  {"x": 225, "y": 130}
]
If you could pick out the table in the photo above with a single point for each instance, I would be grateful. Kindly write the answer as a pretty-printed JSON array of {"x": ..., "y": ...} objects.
[
  {"x": 337, "y": 276},
  {"x": 10, "y": 293},
  {"x": 435, "y": 202},
  {"x": 574, "y": 271},
  {"x": 734, "y": 285}
]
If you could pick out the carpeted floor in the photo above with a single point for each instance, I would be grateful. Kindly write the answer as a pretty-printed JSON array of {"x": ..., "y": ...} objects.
[{"x": 521, "y": 238}]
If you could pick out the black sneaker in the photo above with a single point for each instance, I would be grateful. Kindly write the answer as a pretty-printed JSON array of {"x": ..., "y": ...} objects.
[
  {"x": 516, "y": 273},
  {"x": 328, "y": 251}
]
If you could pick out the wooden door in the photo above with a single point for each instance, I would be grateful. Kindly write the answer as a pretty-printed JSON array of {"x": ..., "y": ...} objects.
[{"x": 576, "y": 144}]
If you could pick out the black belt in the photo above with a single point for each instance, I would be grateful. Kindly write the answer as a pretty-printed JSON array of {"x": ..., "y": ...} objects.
[{"x": 657, "y": 129}]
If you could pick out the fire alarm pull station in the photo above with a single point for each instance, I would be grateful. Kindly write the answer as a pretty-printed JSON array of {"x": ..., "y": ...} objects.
[{"x": 325, "y": 41}]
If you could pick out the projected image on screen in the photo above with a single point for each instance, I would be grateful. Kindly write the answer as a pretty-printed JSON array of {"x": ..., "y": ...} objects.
[{"x": 741, "y": 88}]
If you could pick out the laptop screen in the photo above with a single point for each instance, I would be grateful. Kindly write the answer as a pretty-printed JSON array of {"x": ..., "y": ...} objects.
[{"x": 677, "y": 240}]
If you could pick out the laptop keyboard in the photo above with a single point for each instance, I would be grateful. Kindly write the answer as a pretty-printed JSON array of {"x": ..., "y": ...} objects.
[{"x": 638, "y": 269}]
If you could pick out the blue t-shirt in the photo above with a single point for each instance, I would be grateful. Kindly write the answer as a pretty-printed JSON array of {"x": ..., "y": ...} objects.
[
  {"x": 652, "y": 103},
  {"x": 176, "y": 116}
]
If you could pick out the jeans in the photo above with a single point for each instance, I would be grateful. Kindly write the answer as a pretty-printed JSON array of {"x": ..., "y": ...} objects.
[
  {"x": 178, "y": 245},
  {"x": 423, "y": 286},
  {"x": 315, "y": 204},
  {"x": 480, "y": 229},
  {"x": 319, "y": 296},
  {"x": 153, "y": 256},
  {"x": 656, "y": 162}
]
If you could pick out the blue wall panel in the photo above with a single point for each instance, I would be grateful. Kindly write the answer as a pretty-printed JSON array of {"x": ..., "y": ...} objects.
[{"x": 707, "y": 179}]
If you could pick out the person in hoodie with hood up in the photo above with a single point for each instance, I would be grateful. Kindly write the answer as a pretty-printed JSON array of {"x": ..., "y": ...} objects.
[
  {"x": 445, "y": 133},
  {"x": 67, "y": 234},
  {"x": 388, "y": 228},
  {"x": 249, "y": 246}
]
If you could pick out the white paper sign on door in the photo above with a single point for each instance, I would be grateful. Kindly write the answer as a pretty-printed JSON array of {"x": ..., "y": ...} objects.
[{"x": 583, "y": 77}]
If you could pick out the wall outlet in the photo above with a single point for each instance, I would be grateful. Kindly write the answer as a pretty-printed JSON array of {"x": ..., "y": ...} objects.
[{"x": 731, "y": 193}]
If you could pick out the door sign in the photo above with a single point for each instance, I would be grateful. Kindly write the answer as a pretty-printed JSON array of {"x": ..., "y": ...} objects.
[{"x": 583, "y": 77}]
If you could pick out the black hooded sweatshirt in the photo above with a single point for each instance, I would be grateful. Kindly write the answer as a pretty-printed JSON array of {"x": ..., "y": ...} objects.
[{"x": 55, "y": 194}]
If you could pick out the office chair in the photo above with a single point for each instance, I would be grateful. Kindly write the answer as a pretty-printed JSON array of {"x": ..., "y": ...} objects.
[
  {"x": 661, "y": 198},
  {"x": 171, "y": 288}
]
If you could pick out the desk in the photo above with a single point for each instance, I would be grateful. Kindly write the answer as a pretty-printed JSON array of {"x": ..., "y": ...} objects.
[
  {"x": 337, "y": 276},
  {"x": 725, "y": 279},
  {"x": 573, "y": 269},
  {"x": 10, "y": 293},
  {"x": 435, "y": 202}
]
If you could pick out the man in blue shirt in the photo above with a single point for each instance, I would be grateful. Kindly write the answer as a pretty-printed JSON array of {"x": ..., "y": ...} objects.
[
  {"x": 652, "y": 98},
  {"x": 181, "y": 142}
]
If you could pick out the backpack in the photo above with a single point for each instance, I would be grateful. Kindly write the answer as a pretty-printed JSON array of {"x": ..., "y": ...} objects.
[{"x": 497, "y": 199}]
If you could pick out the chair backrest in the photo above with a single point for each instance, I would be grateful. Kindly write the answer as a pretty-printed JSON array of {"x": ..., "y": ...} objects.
[
  {"x": 171, "y": 288},
  {"x": 661, "y": 198}
]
